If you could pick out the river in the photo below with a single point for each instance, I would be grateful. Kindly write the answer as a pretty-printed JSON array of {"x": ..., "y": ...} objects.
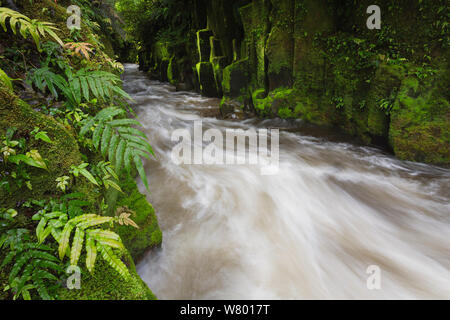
[{"x": 311, "y": 231}]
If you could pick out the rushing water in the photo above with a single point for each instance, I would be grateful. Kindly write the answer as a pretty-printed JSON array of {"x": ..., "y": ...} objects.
[{"x": 308, "y": 232}]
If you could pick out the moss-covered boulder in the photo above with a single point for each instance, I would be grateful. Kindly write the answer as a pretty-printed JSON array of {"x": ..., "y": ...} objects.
[
  {"x": 59, "y": 155},
  {"x": 149, "y": 235},
  {"x": 106, "y": 284},
  {"x": 281, "y": 102}
]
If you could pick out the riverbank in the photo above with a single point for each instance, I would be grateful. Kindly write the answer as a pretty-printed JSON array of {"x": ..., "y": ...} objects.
[{"x": 314, "y": 60}]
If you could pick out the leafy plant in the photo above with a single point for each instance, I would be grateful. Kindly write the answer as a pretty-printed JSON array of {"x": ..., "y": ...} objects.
[
  {"x": 33, "y": 265},
  {"x": 40, "y": 135},
  {"x": 80, "y": 49},
  {"x": 94, "y": 239},
  {"x": 28, "y": 27},
  {"x": 123, "y": 214},
  {"x": 15, "y": 159},
  {"x": 118, "y": 141},
  {"x": 80, "y": 86},
  {"x": 62, "y": 183},
  {"x": 81, "y": 169},
  {"x": 107, "y": 174}
]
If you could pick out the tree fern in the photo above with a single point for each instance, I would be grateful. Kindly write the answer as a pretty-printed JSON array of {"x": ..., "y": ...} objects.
[
  {"x": 32, "y": 265},
  {"x": 28, "y": 27},
  {"x": 87, "y": 234},
  {"x": 118, "y": 141}
]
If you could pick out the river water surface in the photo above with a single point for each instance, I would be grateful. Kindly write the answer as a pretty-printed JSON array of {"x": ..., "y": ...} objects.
[{"x": 308, "y": 232}]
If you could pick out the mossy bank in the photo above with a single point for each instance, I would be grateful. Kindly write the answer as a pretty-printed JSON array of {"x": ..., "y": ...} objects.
[
  {"x": 24, "y": 109},
  {"x": 315, "y": 60}
]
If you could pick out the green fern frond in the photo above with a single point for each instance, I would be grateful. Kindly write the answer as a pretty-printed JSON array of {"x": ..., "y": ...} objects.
[
  {"x": 32, "y": 265},
  {"x": 117, "y": 264},
  {"x": 28, "y": 27},
  {"x": 122, "y": 144},
  {"x": 93, "y": 239}
]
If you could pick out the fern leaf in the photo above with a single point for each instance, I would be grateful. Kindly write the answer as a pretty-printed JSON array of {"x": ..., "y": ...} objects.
[
  {"x": 119, "y": 154},
  {"x": 9, "y": 257},
  {"x": 91, "y": 253},
  {"x": 94, "y": 221},
  {"x": 113, "y": 144},
  {"x": 64, "y": 240},
  {"x": 141, "y": 171},
  {"x": 77, "y": 245},
  {"x": 38, "y": 281},
  {"x": 87, "y": 126},
  {"x": 89, "y": 176},
  {"x": 18, "y": 265},
  {"x": 97, "y": 134},
  {"x": 109, "y": 256},
  {"x": 106, "y": 137},
  {"x": 24, "y": 278},
  {"x": 127, "y": 159}
]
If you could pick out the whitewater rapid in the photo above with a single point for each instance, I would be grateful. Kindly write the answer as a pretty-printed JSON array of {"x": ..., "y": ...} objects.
[{"x": 308, "y": 232}]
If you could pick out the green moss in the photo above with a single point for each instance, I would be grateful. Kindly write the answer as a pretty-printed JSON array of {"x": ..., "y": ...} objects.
[
  {"x": 149, "y": 235},
  {"x": 206, "y": 79},
  {"x": 420, "y": 120},
  {"x": 173, "y": 71},
  {"x": 235, "y": 78},
  {"x": 106, "y": 284},
  {"x": 203, "y": 45},
  {"x": 60, "y": 155}
]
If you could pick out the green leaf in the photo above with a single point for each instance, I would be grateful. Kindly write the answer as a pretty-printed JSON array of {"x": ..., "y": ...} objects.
[
  {"x": 64, "y": 240},
  {"x": 77, "y": 245},
  {"x": 91, "y": 253},
  {"x": 89, "y": 176},
  {"x": 141, "y": 171},
  {"x": 106, "y": 137}
]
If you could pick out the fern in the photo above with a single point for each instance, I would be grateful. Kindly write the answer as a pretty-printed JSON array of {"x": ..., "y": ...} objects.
[
  {"x": 80, "y": 49},
  {"x": 32, "y": 264},
  {"x": 28, "y": 27},
  {"x": 79, "y": 87},
  {"x": 94, "y": 239},
  {"x": 118, "y": 141},
  {"x": 96, "y": 84}
]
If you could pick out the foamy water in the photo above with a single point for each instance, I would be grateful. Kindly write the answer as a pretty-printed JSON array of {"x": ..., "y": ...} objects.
[{"x": 308, "y": 232}]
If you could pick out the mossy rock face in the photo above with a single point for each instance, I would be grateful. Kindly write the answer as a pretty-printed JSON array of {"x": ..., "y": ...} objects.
[
  {"x": 59, "y": 155},
  {"x": 149, "y": 235},
  {"x": 106, "y": 284},
  {"x": 207, "y": 80},
  {"x": 163, "y": 67},
  {"x": 386, "y": 83},
  {"x": 281, "y": 102},
  {"x": 216, "y": 48},
  {"x": 173, "y": 71},
  {"x": 235, "y": 79},
  {"x": 219, "y": 63},
  {"x": 204, "y": 45},
  {"x": 255, "y": 20},
  {"x": 420, "y": 121}
]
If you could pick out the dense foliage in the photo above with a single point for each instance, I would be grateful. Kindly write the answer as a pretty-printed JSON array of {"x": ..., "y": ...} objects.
[{"x": 78, "y": 86}]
